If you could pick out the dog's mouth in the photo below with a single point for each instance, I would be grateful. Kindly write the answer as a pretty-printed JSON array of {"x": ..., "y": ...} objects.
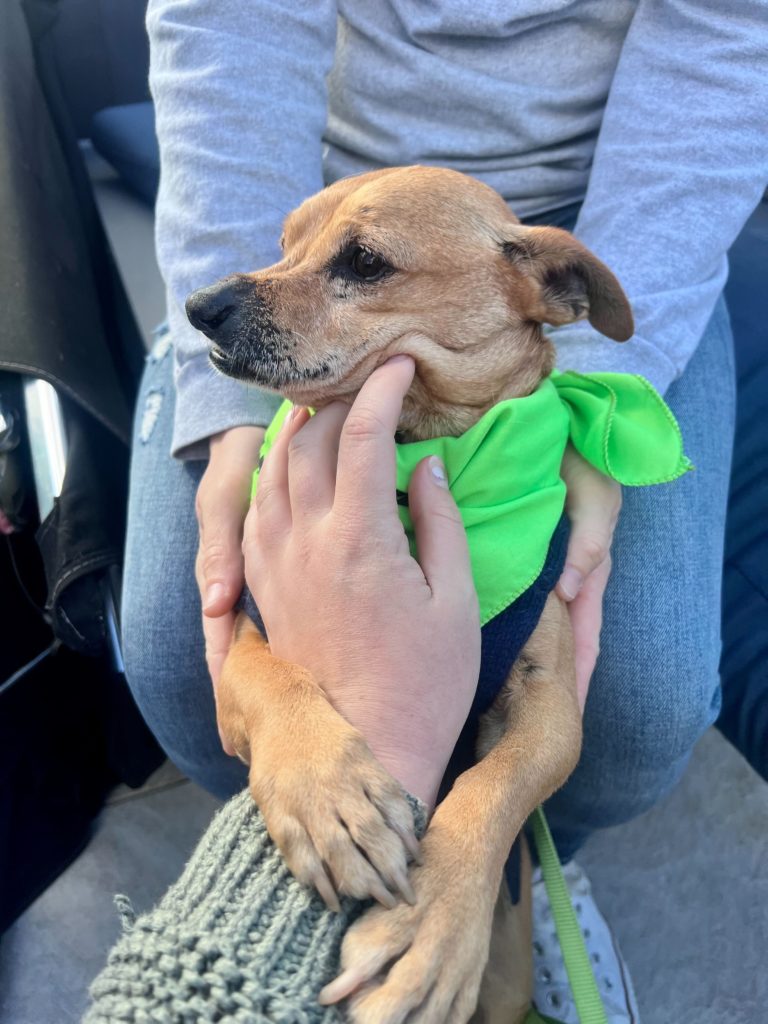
[
  {"x": 269, "y": 365},
  {"x": 266, "y": 359}
]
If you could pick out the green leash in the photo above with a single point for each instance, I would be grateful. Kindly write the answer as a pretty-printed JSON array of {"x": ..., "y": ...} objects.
[{"x": 586, "y": 994}]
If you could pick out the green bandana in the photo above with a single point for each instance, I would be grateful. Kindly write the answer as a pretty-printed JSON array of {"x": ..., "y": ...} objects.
[{"x": 504, "y": 472}]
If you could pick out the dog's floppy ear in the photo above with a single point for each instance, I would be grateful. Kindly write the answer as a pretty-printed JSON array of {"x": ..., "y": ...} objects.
[{"x": 565, "y": 282}]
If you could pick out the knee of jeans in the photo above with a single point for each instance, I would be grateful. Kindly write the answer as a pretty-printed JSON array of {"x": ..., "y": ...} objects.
[
  {"x": 175, "y": 696},
  {"x": 637, "y": 742},
  {"x": 648, "y": 717},
  {"x": 650, "y": 701}
]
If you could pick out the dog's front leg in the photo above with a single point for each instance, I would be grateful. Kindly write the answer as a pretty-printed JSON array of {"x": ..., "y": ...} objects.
[
  {"x": 340, "y": 820},
  {"x": 434, "y": 953}
]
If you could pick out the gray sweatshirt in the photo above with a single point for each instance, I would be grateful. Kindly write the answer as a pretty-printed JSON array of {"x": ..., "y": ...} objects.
[{"x": 655, "y": 113}]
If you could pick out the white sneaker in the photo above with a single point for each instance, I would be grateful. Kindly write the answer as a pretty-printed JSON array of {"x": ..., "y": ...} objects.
[{"x": 552, "y": 993}]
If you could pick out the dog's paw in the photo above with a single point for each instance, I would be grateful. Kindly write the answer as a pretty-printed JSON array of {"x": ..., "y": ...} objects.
[
  {"x": 341, "y": 822},
  {"x": 422, "y": 962}
]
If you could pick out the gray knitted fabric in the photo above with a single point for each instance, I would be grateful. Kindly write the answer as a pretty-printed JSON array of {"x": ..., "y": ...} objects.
[{"x": 237, "y": 938}]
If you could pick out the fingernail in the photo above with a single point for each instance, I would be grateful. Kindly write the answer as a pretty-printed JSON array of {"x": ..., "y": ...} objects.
[
  {"x": 400, "y": 358},
  {"x": 437, "y": 469},
  {"x": 571, "y": 582},
  {"x": 214, "y": 593}
]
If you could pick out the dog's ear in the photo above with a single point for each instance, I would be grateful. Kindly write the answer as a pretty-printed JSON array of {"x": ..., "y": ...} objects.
[{"x": 565, "y": 282}]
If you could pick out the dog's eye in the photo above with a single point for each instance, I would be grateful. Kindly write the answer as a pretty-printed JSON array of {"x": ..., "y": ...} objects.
[{"x": 367, "y": 265}]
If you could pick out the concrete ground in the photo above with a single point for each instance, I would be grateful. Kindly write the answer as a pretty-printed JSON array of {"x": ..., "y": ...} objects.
[{"x": 685, "y": 886}]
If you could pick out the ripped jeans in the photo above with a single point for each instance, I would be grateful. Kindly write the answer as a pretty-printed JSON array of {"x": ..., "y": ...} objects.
[{"x": 656, "y": 687}]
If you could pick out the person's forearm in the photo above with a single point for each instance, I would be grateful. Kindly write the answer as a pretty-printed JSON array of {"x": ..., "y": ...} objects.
[
  {"x": 681, "y": 161},
  {"x": 239, "y": 92}
]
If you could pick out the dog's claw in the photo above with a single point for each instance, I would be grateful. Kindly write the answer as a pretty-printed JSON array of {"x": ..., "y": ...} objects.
[
  {"x": 410, "y": 842},
  {"x": 346, "y": 983},
  {"x": 405, "y": 888},
  {"x": 326, "y": 891},
  {"x": 382, "y": 895}
]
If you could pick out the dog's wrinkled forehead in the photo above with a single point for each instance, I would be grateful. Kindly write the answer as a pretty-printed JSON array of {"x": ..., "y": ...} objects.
[{"x": 403, "y": 213}]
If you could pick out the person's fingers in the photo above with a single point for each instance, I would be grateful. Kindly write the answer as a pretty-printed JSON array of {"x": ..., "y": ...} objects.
[
  {"x": 593, "y": 507},
  {"x": 586, "y": 613},
  {"x": 271, "y": 507},
  {"x": 220, "y": 559},
  {"x": 365, "y": 482},
  {"x": 441, "y": 540},
  {"x": 221, "y": 503},
  {"x": 217, "y": 632},
  {"x": 270, "y": 515},
  {"x": 313, "y": 453},
  {"x": 218, "y": 635}
]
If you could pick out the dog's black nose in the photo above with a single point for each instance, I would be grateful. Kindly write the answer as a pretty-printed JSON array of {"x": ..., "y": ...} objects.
[{"x": 211, "y": 309}]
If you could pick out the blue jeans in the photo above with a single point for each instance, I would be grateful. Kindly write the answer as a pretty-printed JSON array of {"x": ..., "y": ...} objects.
[
  {"x": 656, "y": 688},
  {"x": 744, "y": 663}
]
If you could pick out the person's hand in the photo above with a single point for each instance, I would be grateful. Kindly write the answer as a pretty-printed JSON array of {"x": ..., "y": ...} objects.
[
  {"x": 593, "y": 504},
  {"x": 394, "y": 643},
  {"x": 221, "y": 505}
]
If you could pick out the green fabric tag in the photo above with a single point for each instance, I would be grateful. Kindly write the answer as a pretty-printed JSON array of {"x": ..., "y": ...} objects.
[{"x": 504, "y": 472}]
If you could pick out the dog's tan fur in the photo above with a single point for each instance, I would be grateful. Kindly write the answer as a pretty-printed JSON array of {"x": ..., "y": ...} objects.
[{"x": 470, "y": 290}]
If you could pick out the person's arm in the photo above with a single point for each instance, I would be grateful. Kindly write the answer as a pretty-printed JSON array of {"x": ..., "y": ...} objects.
[
  {"x": 681, "y": 162},
  {"x": 593, "y": 504},
  {"x": 240, "y": 101}
]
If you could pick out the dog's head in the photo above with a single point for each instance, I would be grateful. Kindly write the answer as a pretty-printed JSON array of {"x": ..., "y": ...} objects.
[{"x": 418, "y": 260}]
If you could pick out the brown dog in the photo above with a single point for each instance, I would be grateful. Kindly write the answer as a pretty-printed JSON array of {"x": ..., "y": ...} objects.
[{"x": 430, "y": 263}]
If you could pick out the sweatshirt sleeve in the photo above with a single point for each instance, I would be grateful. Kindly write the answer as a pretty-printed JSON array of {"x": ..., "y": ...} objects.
[
  {"x": 681, "y": 162},
  {"x": 240, "y": 100},
  {"x": 236, "y": 938}
]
